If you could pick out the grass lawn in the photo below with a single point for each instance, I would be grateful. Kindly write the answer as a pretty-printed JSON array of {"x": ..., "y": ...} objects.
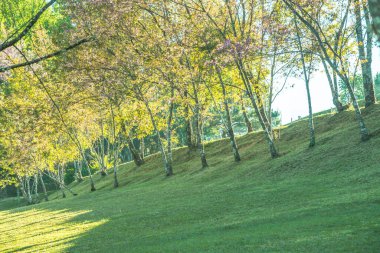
[{"x": 325, "y": 199}]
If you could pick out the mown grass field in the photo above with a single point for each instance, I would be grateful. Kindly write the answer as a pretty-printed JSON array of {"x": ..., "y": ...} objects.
[{"x": 325, "y": 199}]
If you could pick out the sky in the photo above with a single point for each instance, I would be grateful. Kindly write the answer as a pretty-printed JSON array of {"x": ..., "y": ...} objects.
[{"x": 292, "y": 101}]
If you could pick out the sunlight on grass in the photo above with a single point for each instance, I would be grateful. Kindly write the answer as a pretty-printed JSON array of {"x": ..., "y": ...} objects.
[{"x": 41, "y": 230}]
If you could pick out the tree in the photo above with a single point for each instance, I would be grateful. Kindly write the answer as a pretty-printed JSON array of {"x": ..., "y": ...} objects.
[
  {"x": 374, "y": 8},
  {"x": 307, "y": 68},
  {"x": 327, "y": 50},
  {"x": 17, "y": 31},
  {"x": 365, "y": 51}
]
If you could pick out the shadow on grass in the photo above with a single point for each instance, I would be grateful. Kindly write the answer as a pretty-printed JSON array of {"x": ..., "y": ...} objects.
[{"x": 305, "y": 201}]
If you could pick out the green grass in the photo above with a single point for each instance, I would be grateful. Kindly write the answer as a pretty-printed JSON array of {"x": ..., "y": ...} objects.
[{"x": 325, "y": 199}]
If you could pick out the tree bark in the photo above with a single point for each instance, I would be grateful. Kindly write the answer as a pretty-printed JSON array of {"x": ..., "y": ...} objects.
[
  {"x": 89, "y": 172},
  {"x": 25, "y": 192},
  {"x": 334, "y": 91},
  {"x": 188, "y": 130},
  {"x": 61, "y": 181},
  {"x": 198, "y": 129},
  {"x": 167, "y": 165},
  {"x": 35, "y": 181},
  {"x": 142, "y": 148},
  {"x": 365, "y": 60},
  {"x": 135, "y": 152},
  {"x": 136, "y": 156},
  {"x": 246, "y": 119},
  {"x": 306, "y": 74},
  {"x": 272, "y": 74},
  {"x": 374, "y": 8},
  {"x": 115, "y": 150},
  {"x": 169, "y": 168},
  {"x": 78, "y": 170},
  {"x": 56, "y": 179},
  {"x": 28, "y": 191},
  {"x": 43, "y": 186},
  {"x": 229, "y": 127},
  {"x": 247, "y": 84}
]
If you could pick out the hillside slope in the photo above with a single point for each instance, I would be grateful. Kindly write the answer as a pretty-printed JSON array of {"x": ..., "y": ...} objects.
[{"x": 325, "y": 199}]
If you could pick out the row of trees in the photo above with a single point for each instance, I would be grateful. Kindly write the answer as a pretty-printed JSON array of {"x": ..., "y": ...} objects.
[{"x": 88, "y": 83}]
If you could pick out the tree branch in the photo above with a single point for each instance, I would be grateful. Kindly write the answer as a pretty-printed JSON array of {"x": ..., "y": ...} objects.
[
  {"x": 29, "y": 26},
  {"x": 27, "y": 63}
]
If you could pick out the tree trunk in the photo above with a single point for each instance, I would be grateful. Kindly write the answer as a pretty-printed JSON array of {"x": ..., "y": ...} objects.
[
  {"x": 363, "y": 129},
  {"x": 311, "y": 121},
  {"x": 61, "y": 181},
  {"x": 188, "y": 130},
  {"x": 230, "y": 129},
  {"x": 247, "y": 84},
  {"x": 374, "y": 8},
  {"x": 365, "y": 60},
  {"x": 272, "y": 74},
  {"x": 92, "y": 184},
  {"x": 22, "y": 183},
  {"x": 28, "y": 192},
  {"x": 35, "y": 186},
  {"x": 43, "y": 186},
  {"x": 135, "y": 152},
  {"x": 167, "y": 164},
  {"x": 369, "y": 44},
  {"x": 169, "y": 169},
  {"x": 246, "y": 119},
  {"x": 334, "y": 92},
  {"x": 89, "y": 173},
  {"x": 115, "y": 150},
  {"x": 55, "y": 178},
  {"x": 198, "y": 129},
  {"x": 78, "y": 170},
  {"x": 306, "y": 73},
  {"x": 142, "y": 148}
]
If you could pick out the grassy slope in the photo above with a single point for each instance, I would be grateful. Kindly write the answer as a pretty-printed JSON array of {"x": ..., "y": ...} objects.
[{"x": 322, "y": 200}]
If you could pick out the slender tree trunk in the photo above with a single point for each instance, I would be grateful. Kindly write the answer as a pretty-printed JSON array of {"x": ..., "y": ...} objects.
[
  {"x": 246, "y": 119},
  {"x": 55, "y": 178},
  {"x": 115, "y": 150},
  {"x": 43, "y": 186},
  {"x": 247, "y": 84},
  {"x": 169, "y": 168},
  {"x": 24, "y": 192},
  {"x": 167, "y": 165},
  {"x": 28, "y": 191},
  {"x": 369, "y": 45},
  {"x": 142, "y": 148},
  {"x": 188, "y": 130},
  {"x": 374, "y": 8},
  {"x": 263, "y": 113},
  {"x": 103, "y": 169},
  {"x": 363, "y": 129},
  {"x": 311, "y": 121},
  {"x": 61, "y": 181},
  {"x": 270, "y": 98},
  {"x": 136, "y": 156},
  {"x": 334, "y": 92},
  {"x": 198, "y": 129},
  {"x": 89, "y": 172},
  {"x": 365, "y": 63},
  {"x": 306, "y": 73},
  {"x": 36, "y": 186},
  {"x": 230, "y": 129},
  {"x": 135, "y": 152},
  {"x": 78, "y": 170}
]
